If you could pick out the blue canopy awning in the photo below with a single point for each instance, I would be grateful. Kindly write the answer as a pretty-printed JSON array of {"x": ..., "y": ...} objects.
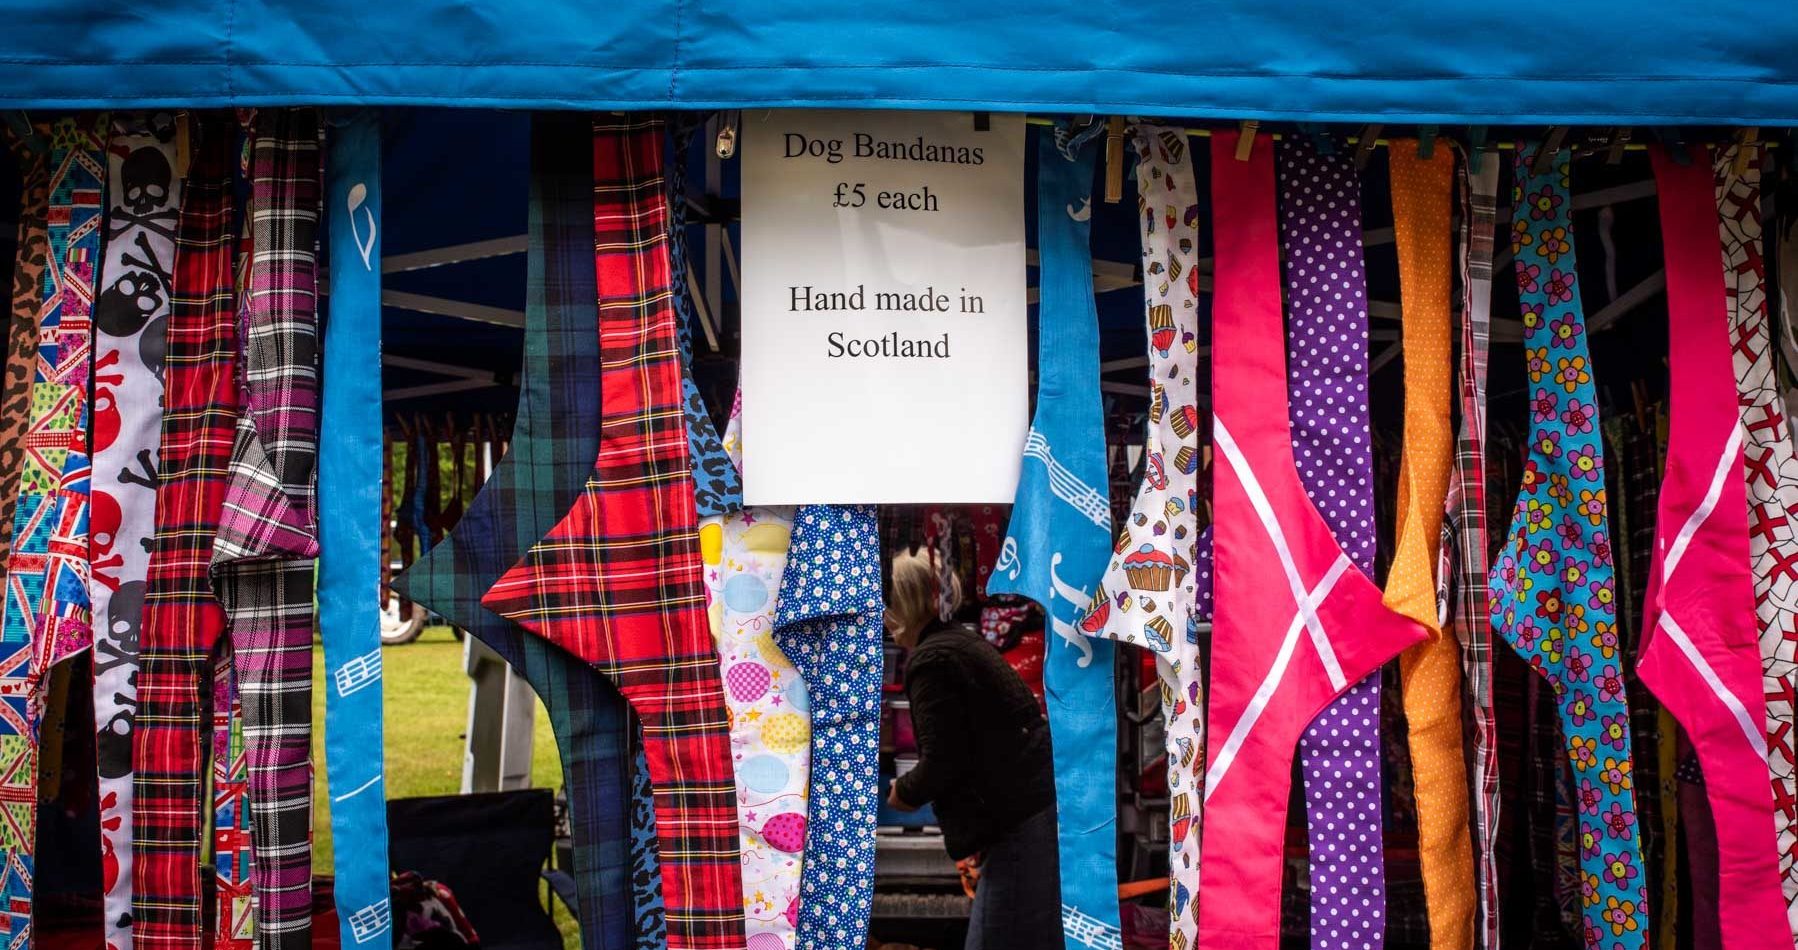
[{"x": 1572, "y": 61}]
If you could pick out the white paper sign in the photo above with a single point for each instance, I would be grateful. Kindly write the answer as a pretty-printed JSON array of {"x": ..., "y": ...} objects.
[{"x": 885, "y": 338}]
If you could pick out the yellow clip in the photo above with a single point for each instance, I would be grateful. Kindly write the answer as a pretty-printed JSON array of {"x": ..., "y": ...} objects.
[
  {"x": 1114, "y": 160},
  {"x": 1245, "y": 145}
]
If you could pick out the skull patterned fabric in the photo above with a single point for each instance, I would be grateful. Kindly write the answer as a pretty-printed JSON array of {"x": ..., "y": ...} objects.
[{"x": 130, "y": 338}]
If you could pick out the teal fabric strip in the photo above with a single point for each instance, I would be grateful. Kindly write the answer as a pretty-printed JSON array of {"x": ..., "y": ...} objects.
[{"x": 349, "y": 481}]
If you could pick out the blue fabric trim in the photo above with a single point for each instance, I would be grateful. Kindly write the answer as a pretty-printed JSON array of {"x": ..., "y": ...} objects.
[{"x": 1594, "y": 61}]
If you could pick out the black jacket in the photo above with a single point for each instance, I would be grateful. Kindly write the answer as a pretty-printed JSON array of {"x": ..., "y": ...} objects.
[{"x": 984, "y": 760}]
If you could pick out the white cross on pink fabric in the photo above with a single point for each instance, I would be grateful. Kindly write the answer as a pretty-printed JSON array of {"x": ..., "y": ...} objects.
[{"x": 1295, "y": 621}]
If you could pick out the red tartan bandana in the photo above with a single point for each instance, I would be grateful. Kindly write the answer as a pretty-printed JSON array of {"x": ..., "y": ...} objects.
[{"x": 618, "y": 581}]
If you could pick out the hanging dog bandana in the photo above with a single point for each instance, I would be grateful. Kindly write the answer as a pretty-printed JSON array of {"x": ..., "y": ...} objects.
[
  {"x": 1551, "y": 590},
  {"x": 646, "y": 865},
  {"x": 46, "y": 610},
  {"x": 586, "y": 587},
  {"x": 1464, "y": 530},
  {"x": 828, "y": 622},
  {"x": 1326, "y": 290},
  {"x": 1700, "y": 654},
  {"x": 1146, "y": 595},
  {"x": 1772, "y": 484},
  {"x": 1059, "y": 542},
  {"x": 264, "y": 556},
  {"x": 1296, "y": 622},
  {"x": 182, "y": 619},
  {"x": 745, "y": 554},
  {"x": 232, "y": 851},
  {"x": 130, "y": 334},
  {"x": 349, "y": 568},
  {"x": 29, "y": 263},
  {"x": 717, "y": 488},
  {"x": 554, "y": 441},
  {"x": 1430, "y": 673}
]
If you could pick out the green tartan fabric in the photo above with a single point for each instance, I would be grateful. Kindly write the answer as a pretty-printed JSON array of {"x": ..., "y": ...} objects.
[{"x": 554, "y": 441}]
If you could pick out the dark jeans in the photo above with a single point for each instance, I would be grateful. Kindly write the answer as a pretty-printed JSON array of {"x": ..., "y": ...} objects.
[{"x": 1017, "y": 905}]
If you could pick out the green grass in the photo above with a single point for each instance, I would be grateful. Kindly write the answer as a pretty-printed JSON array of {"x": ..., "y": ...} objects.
[{"x": 426, "y": 709}]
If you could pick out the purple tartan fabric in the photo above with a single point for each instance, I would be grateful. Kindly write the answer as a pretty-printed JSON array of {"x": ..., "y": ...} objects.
[{"x": 263, "y": 557}]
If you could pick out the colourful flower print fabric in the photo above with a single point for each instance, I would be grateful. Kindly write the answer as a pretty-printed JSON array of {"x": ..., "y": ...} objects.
[{"x": 1553, "y": 587}]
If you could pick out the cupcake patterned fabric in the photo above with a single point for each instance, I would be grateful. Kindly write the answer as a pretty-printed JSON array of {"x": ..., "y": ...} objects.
[
  {"x": 828, "y": 622},
  {"x": 1147, "y": 594},
  {"x": 1552, "y": 587},
  {"x": 745, "y": 554}
]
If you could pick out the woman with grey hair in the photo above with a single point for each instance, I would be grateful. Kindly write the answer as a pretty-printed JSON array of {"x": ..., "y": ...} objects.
[{"x": 984, "y": 763}]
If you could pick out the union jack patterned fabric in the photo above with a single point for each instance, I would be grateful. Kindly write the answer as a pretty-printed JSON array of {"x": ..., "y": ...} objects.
[
  {"x": 232, "y": 858},
  {"x": 263, "y": 557},
  {"x": 618, "y": 581},
  {"x": 32, "y": 253},
  {"x": 46, "y": 609},
  {"x": 182, "y": 618}
]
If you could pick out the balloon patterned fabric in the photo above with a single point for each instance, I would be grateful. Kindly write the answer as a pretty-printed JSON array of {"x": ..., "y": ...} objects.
[{"x": 745, "y": 554}]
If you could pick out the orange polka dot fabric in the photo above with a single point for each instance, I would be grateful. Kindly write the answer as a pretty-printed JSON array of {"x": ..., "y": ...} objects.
[{"x": 1430, "y": 673}]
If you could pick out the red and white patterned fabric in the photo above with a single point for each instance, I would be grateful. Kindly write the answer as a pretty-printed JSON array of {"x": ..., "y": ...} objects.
[{"x": 1772, "y": 473}]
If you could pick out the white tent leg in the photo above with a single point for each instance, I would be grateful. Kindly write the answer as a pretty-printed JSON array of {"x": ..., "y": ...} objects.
[{"x": 501, "y": 713}]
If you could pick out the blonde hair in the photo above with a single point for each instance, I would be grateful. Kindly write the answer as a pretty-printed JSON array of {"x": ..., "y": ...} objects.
[{"x": 913, "y": 596}]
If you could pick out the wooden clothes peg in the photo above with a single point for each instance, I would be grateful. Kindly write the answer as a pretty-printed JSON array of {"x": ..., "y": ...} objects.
[
  {"x": 1114, "y": 160},
  {"x": 1370, "y": 136},
  {"x": 1245, "y": 143}
]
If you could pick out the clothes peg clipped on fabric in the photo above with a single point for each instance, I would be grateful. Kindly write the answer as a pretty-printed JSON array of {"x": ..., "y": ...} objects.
[
  {"x": 727, "y": 133},
  {"x": 1370, "y": 135},
  {"x": 184, "y": 144},
  {"x": 1745, "y": 148},
  {"x": 1675, "y": 143},
  {"x": 20, "y": 122},
  {"x": 1245, "y": 142},
  {"x": 1114, "y": 160},
  {"x": 1321, "y": 141},
  {"x": 1619, "y": 140},
  {"x": 1551, "y": 143},
  {"x": 1426, "y": 142},
  {"x": 1476, "y": 139}
]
